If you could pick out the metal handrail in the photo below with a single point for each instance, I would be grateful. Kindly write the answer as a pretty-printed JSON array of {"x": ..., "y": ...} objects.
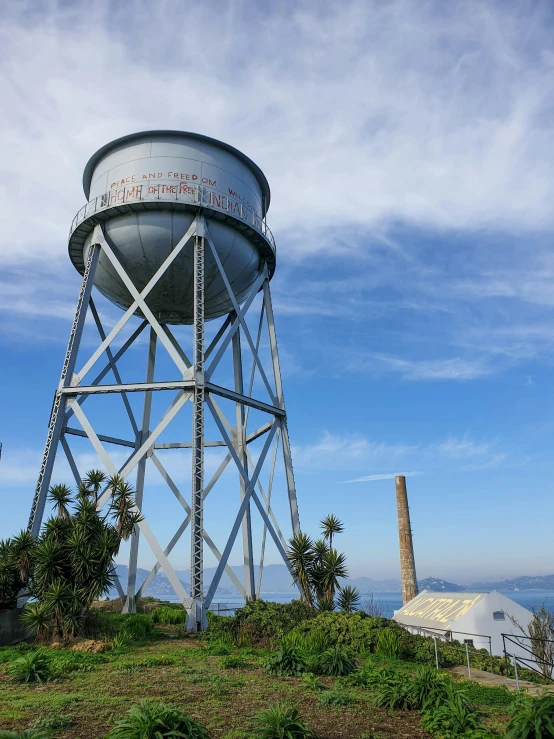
[
  {"x": 517, "y": 658},
  {"x": 199, "y": 195}
]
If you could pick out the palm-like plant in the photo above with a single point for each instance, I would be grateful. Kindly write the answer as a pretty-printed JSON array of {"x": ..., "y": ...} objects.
[
  {"x": 320, "y": 549},
  {"x": 317, "y": 568},
  {"x": 60, "y": 496},
  {"x": 301, "y": 557},
  {"x": 331, "y": 525},
  {"x": 9, "y": 574},
  {"x": 122, "y": 507},
  {"x": 325, "y": 603},
  {"x": 348, "y": 599},
  {"x": 333, "y": 567},
  {"x": 24, "y": 546},
  {"x": 94, "y": 480},
  {"x": 71, "y": 564},
  {"x": 36, "y": 617}
]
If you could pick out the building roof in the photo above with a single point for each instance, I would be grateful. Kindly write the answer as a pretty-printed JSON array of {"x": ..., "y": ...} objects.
[{"x": 437, "y": 610}]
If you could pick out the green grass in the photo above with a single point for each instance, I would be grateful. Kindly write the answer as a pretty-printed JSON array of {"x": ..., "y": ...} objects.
[
  {"x": 487, "y": 695},
  {"x": 223, "y": 691}
]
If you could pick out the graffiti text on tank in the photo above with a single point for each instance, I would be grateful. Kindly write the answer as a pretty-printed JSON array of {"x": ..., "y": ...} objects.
[{"x": 186, "y": 176}]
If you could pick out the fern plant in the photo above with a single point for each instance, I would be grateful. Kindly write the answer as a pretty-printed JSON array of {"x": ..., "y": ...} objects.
[
  {"x": 532, "y": 717},
  {"x": 281, "y": 721},
  {"x": 33, "y": 667},
  {"x": 155, "y": 719}
]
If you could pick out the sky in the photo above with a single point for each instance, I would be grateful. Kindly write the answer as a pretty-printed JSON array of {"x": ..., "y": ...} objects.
[{"x": 409, "y": 150}]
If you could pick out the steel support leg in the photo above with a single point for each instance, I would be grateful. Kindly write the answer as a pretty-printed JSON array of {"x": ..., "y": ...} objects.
[
  {"x": 197, "y": 618},
  {"x": 130, "y": 602},
  {"x": 240, "y": 439},
  {"x": 287, "y": 457},
  {"x": 55, "y": 426}
]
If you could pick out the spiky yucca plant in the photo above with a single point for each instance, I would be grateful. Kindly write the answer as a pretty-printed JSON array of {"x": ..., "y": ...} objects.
[
  {"x": 70, "y": 565},
  {"x": 317, "y": 569}
]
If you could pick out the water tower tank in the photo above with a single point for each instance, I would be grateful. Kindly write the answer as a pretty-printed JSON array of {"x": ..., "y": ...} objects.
[{"x": 147, "y": 188}]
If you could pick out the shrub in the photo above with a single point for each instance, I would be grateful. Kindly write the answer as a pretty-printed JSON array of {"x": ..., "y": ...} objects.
[
  {"x": 103, "y": 624},
  {"x": 532, "y": 717},
  {"x": 33, "y": 667},
  {"x": 259, "y": 622},
  {"x": 26, "y": 734},
  {"x": 281, "y": 721},
  {"x": 335, "y": 661},
  {"x": 219, "y": 649},
  {"x": 286, "y": 662},
  {"x": 169, "y": 616},
  {"x": 388, "y": 644},
  {"x": 155, "y": 719},
  {"x": 337, "y": 696},
  {"x": 356, "y": 631}
]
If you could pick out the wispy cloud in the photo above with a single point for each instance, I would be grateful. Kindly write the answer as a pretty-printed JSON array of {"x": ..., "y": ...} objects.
[
  {"x": 338, "y": 451},
  {"x": 353, "y": 452},
  {"x": 445, "y": 139},
  {"x": 384, "y": 476},
  {"x": 428, "y": 369}
]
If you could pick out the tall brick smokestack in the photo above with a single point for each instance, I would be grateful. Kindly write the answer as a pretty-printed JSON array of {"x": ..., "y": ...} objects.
[{"x": 407, "y": 562}]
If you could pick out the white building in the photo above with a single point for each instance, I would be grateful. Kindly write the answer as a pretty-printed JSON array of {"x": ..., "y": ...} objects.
[{"x": 468, "y": 617}]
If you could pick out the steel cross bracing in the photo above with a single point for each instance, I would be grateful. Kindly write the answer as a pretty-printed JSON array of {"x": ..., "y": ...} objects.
[{"x": 193, "y": 383}]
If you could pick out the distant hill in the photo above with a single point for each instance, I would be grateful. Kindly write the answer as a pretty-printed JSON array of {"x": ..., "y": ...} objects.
[
  {"x": 526, "y": 582},
  {"x": 437, "y": 585},
  {"x": 276, "y": 579}
]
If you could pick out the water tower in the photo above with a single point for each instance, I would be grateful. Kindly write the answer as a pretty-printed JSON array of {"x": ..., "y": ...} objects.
[{"x": 174, "y": 232}]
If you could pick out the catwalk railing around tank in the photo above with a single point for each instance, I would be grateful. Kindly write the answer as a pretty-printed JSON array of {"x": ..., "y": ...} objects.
[{"x": 182, "y": 192}]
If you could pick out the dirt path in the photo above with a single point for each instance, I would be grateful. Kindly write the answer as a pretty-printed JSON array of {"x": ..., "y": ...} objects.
[{"x": 487, "y": 678}]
